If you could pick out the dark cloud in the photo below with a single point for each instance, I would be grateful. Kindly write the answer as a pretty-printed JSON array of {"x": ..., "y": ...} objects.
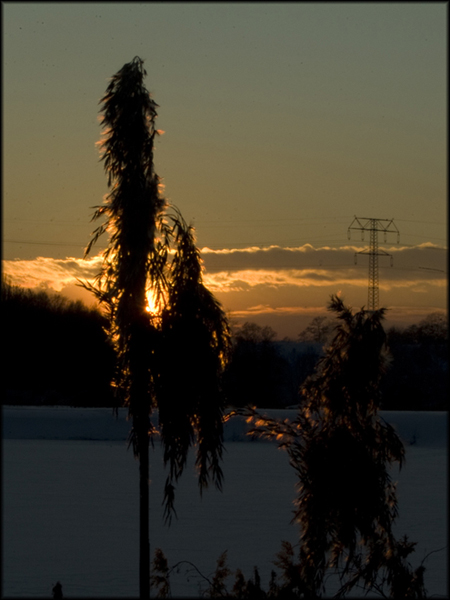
[{"x": 427, "y": 261}]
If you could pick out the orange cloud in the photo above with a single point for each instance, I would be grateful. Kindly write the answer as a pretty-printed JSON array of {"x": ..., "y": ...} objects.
[{"x": 51, "y": 273}]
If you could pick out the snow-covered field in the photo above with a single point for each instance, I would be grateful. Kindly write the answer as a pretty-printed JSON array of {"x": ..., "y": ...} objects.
[{"x": 70, "y": 504}]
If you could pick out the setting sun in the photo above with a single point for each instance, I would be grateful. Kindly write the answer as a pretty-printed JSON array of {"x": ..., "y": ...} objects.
[{"x": 153, "y": 307}]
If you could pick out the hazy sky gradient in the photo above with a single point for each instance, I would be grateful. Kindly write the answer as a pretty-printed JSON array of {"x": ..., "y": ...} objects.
[{"x": 282, "y": 122}]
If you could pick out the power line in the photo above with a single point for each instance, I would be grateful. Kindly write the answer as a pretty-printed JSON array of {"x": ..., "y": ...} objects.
[
  {"x": 79, "y": 245},
  {"x": 422, "y": 222},
  {"x": 232, "y": 221}
]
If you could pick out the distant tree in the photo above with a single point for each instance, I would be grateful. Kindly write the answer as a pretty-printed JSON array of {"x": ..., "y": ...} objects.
[
  {"x": 188, "y": 327},
  {"x": 257, "y": 373},
  {"x": 341, "y": 449},
  {"x": 433, "y": 327},
  {"x": 303, "y": 361},
  {"x": 318, "y": 330},
  {"x": 418, "y": 378},
  {"x": 255, "y": 334}
]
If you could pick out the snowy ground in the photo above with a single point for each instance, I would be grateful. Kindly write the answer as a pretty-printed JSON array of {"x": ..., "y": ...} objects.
[{"x": 70, "y": 504}]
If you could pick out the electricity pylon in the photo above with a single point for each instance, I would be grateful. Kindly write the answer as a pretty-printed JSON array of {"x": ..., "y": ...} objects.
[{"x": 374, "y": 226}]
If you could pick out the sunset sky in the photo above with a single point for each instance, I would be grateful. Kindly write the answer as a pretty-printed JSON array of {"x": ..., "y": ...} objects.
[{"x": 282, "y": 122}]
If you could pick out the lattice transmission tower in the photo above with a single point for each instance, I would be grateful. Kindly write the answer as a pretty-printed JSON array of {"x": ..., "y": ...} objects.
[{"x": 373, "y": 226}]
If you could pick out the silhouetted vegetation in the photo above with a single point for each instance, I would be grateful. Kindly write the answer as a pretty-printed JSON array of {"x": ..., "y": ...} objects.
[
  {"x": 418, "y": 377},
  {"x": 319, "y": 330},
  {"x": 214, "y": 586},
  {"x": 283, "y": 584},
  {"x": 48, "y": 362},
  {"x": 257, "y": 374},
  {"x": 55, "y": 351},
  {"x": 170, "y": 358},
  {"x": 268, "y": 373},
  {"x": 341, "y": 451}
]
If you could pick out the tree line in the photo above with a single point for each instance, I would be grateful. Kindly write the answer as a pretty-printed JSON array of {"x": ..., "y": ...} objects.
[
  {"x": 269, "y": 373},
  {"x": 57, "y": 352}
]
